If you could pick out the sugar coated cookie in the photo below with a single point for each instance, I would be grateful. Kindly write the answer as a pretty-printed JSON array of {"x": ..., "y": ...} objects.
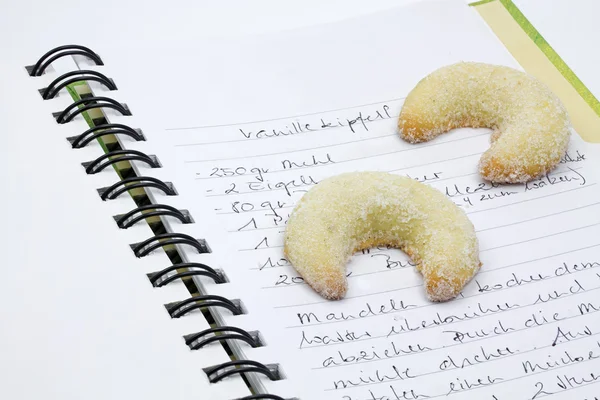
[
  {"x": 531, "y": 126},
  {"x": 354, "y": 211}
]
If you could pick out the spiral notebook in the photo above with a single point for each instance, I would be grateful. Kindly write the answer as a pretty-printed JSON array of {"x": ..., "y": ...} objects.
[{"x": 224, "y": 136}]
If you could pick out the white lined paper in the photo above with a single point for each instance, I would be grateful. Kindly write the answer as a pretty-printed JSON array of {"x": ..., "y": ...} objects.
[{"x": 539, "y": 241}]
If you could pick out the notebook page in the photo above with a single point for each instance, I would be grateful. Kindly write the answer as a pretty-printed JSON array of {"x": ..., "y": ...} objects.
[
  {"x": 79, "y": 317},
  {"x": 524, "y": 328}
]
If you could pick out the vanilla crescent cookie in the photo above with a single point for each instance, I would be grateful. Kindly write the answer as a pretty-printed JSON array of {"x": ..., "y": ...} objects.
[
  {"x": 355, "y": 211},
  {"x": 531, "y": 126}
]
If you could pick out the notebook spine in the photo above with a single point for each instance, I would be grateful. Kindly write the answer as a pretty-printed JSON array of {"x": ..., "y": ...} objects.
[{"x": 141, "y": 213}]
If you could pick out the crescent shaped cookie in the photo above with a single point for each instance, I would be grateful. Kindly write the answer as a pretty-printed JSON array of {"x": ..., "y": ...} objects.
[
  {"x": 531, "y": 126},
  {"x": 355, "y": 211}
]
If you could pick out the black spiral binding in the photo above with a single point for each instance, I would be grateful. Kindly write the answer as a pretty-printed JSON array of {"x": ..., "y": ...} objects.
[
  {"x": 90, "y": 103},
  {"x": 128, "y": 220},
  {"x": 112, "y": 157},
  {"x": 199, "y": 340},
  {"x": 218, "y": 372},
  {"x": 86, "y": 75},
  {"x": 58, "y": 52},
  {"x": 174, "y": 272},
  {"x": 181, "y": 308},
  {"x": 80, "y": 141},
  {"x": 120, "y": 187},
  {"x": 161, "y": 278},
  {"x": 146, "y": 247}
]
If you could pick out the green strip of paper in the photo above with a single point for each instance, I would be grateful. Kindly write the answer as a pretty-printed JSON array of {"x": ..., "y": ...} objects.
[{"x": 548, "y": 51}]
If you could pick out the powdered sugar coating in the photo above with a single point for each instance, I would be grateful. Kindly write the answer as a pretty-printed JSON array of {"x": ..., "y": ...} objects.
[
  {"x": 531, "y": 126},
  {"x": 354, "y": 211}
]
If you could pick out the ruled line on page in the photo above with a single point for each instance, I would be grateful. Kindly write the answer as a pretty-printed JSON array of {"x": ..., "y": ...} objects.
[
  {"x": 432, "y": 304},
  {"x": 286, "y": 117},
  {"x": 327, "y": 129},
  {"x": 540, "y": 237},
  {"x": 289, "y": 152},
  {"x": 416, "y": 147},
  {"x": 477, "y": 230},
  {"x": 535, "y": 198},
  {"x": 481, "y": 250},
  {"x": 392, "y": 336},
  {"x": 537, "y": 218},
  {"x": 479, "y": 273},
  {"x": 451, "y": 345}
]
